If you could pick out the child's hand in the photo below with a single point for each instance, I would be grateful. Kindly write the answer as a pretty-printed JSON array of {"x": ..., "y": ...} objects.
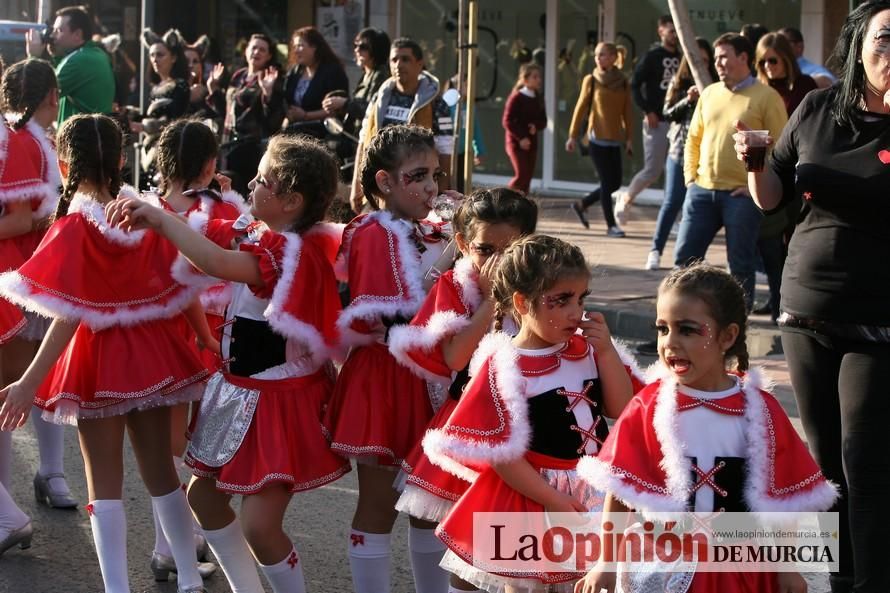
[
  {"x": 17, "y": 401},
  {"x": 596, "y": 580},
  {"x": 209, "y": 343},
  {"x": 593, "y": 327},
  {"x": 564, "y": 503},
  {"x": 225, "y": 183},
  {"x": 791, "y": 582},
  {"x": 132, "y": 214},
  {"x": 486, "y": 275}
]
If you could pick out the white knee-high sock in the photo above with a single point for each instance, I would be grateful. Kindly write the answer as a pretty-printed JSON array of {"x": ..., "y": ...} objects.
[
  {"x": 287, "y": 575},
  {"x": 369, "y": 559},
  {"x": 50, "y": 442},
  {"x": 176, "y": 522},
  {"x": 11, "y": 516},
  {"x": 161, "y": 545},
  {"x": 6, "y": 459},
  {"x": 426, "y": 553},
  {"x": 231, "y": 551},
  {"x": 109, "y": 525}
]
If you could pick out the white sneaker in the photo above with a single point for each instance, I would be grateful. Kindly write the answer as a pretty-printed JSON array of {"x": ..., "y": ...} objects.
[
  {"x": 622, "y": 208},
  {"x": 653, "y": 262}
]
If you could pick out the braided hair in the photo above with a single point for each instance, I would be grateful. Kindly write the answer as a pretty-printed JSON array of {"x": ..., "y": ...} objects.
[
  {"x": 303, "y": 165},
  {"x": 25, "y": 85},
  {"x": 91, "y": 146},
  {"x": 531, "y": 267},
  {"x": 183, "y": 149},
  {"x": 724, "y": 297},
  {"x": 387, "y": 150}
]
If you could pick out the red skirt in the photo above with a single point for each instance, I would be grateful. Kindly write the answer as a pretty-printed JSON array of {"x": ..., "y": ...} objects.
[
  {"x": 120, "y": 369},
  {"x": 380, "y": 409},
  {"x": 430, "y": 491},
  {"x": 11, "y": 321},
  {"x": 490, "y": 494},
  {"x": 284, "y": 441}
]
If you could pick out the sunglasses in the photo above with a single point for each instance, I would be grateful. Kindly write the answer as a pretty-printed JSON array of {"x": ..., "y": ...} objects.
[
  {"x": 362, "y": 46},
  {"x": 770, "y": 61}
]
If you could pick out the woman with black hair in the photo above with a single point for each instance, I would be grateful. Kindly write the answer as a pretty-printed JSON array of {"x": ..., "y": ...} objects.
[
  {"x": 316, "y": 71},
  {"x": 169, "y": 96},
  {"x": 371, "y": 50},
  {"x": 252, "y": 108},
  {"x": 833, "y": 155}
]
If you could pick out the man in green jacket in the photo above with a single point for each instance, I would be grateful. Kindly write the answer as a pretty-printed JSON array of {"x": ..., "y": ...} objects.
[{"x": 83, "y": 69}]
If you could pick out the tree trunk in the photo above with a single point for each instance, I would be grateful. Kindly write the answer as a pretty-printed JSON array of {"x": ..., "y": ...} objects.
[{"x": 683, "y": 25}]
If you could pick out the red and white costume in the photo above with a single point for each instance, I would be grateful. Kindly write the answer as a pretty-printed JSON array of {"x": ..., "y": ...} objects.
[
  {"x": 211, "y": 205},
  {"x": 676, "y": 449},
  {"x": 126, "y": 352},
  {"x": 380, "y": 408},
  {"x": 541, "y": 405},
  {"x": 28, "y": 173},
  {"x": 260, "y": 420}
]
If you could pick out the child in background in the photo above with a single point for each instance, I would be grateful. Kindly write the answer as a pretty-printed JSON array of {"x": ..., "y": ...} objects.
[
  {"x": 534, "y": 406},
  {"x": 524, "y": 117},
  {"x": 701, "y": 438},
  {"x": 258, "y": 432},
  {"x": 113, "y": 359},
  {"x": 380, "y": 409}
]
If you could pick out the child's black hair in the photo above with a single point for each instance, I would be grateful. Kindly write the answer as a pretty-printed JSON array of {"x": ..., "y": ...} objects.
[
  {"x": 303, "y": 165},
  {"x": 386, "y": 151},
  {"x": 724, "y": 297},
  {"x": 531, "y": 267},
  {"x": 91, "y": 146},
  {"x": 183, "y": 149},
  {"x": 496, "y": 205},
  {"x": 25, "y": 85}
]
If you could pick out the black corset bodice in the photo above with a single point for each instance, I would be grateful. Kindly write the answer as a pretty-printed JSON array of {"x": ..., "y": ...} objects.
[
  {"x": 254, "y": 347},
  {"x": 726, "y": 479},
  {"x": 555, "y": 431}
]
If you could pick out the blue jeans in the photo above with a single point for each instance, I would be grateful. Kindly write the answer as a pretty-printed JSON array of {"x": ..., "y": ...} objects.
[
  {"x": 674, "y": 194},
  {"x": 705, "y": 211}
]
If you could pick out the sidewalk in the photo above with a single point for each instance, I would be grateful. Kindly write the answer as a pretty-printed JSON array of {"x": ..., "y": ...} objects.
[{"x": 625, "y": 293}]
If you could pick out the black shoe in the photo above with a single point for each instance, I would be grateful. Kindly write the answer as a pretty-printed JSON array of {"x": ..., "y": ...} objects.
[
  {"x": 578, "y": 209},
  {"x": 648, "y": 348}
]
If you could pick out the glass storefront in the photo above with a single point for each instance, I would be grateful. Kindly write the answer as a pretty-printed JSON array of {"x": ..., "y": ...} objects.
[{"x": 506, "y": 27}]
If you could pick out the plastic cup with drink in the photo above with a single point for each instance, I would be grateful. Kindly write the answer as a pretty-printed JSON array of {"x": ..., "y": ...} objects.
[{"x": 755, "y": 154}]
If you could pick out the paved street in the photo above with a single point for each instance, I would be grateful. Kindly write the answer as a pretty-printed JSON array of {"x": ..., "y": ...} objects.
[{"x": 62, "y": 558}]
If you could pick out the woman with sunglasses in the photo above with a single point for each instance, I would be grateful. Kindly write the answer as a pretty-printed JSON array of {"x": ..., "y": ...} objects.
[
  {"x": 315, "y": 72},
  {"x": 777, "y": 67}
]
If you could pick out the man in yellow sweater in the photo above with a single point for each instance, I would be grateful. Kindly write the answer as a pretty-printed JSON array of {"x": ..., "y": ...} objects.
[{"x": 717, "y": 184}]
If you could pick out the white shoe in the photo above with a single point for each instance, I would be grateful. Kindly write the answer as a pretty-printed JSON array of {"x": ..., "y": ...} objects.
[
  {"x": 653, "y": 261},
  {"x": 622, "y": 209}
]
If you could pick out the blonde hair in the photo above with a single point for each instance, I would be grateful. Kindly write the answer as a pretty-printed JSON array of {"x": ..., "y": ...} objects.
[{"x": 619, "y": 50}]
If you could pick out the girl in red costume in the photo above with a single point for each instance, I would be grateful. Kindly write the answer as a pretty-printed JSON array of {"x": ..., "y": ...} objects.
[
  {"x": 534, "y": 406},
  {"x": 258, "y": 432},
  {"x": 702, "y": 439},
  {"x": 380, "y": 408},
  {"x": 113, "y": 358}
]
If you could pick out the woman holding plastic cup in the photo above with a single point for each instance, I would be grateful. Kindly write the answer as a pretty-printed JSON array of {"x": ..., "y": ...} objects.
[{"x": 834, "y": 154}]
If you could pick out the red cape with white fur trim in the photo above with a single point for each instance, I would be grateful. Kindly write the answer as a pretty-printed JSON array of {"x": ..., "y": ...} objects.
[
  {"x": 86, "y": 270},
  {"x": 446, "y": 311},
  {"x": 19, "y": 177},
  {"x": 383, "y": 270},
  {"x": 642, "y": 462}
]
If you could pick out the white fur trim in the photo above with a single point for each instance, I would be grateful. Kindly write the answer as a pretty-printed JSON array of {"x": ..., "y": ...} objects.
[
  {"x": 17, "y": 289},
  {"x": 505, "y": 380},
  {"x": 49, "y": 171},
  {"x": 237, "y": 200},
  {"x": 465, "y": 278},
  {"x": 283, "y": 322},
  {"x": 94, "y": 213},
  {"x": 27, "y": 190},
  {"x": 182, "y": 269},
  {"x": 760, "y": 491},
  {"x": 615, "y": 481},
  {"x": 629, "y": 361},
  {"x": 405, "y": 338},
  {"x": 333, "y": 230},
  {"x": 675, "y": 464},
  {"x": 404, "y": 265}
]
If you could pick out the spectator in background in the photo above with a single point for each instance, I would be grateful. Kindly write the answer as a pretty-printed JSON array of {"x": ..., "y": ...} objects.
[
  {"x": 717, "y": 192},
  {"x": 524, "y": 116},
  {"x": 315, "y": 71},
  {"x": 679, "y": 104},
  {"x": 649, "y": 84},
  {"x": 777, "y": 67},
  {"x": 605, "y": 103},
  {"x": 168, "y": 98},
  {"x": 195, "y": 53},
  {"x": 371, "y": 50},
  {"x": 822, "y": 75},
  {"x": 252, "y": 109},
  {"x": 83, "y": 68},
  {"x": 753, "y": 32},
  {"x": 410, "y": 96}
]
